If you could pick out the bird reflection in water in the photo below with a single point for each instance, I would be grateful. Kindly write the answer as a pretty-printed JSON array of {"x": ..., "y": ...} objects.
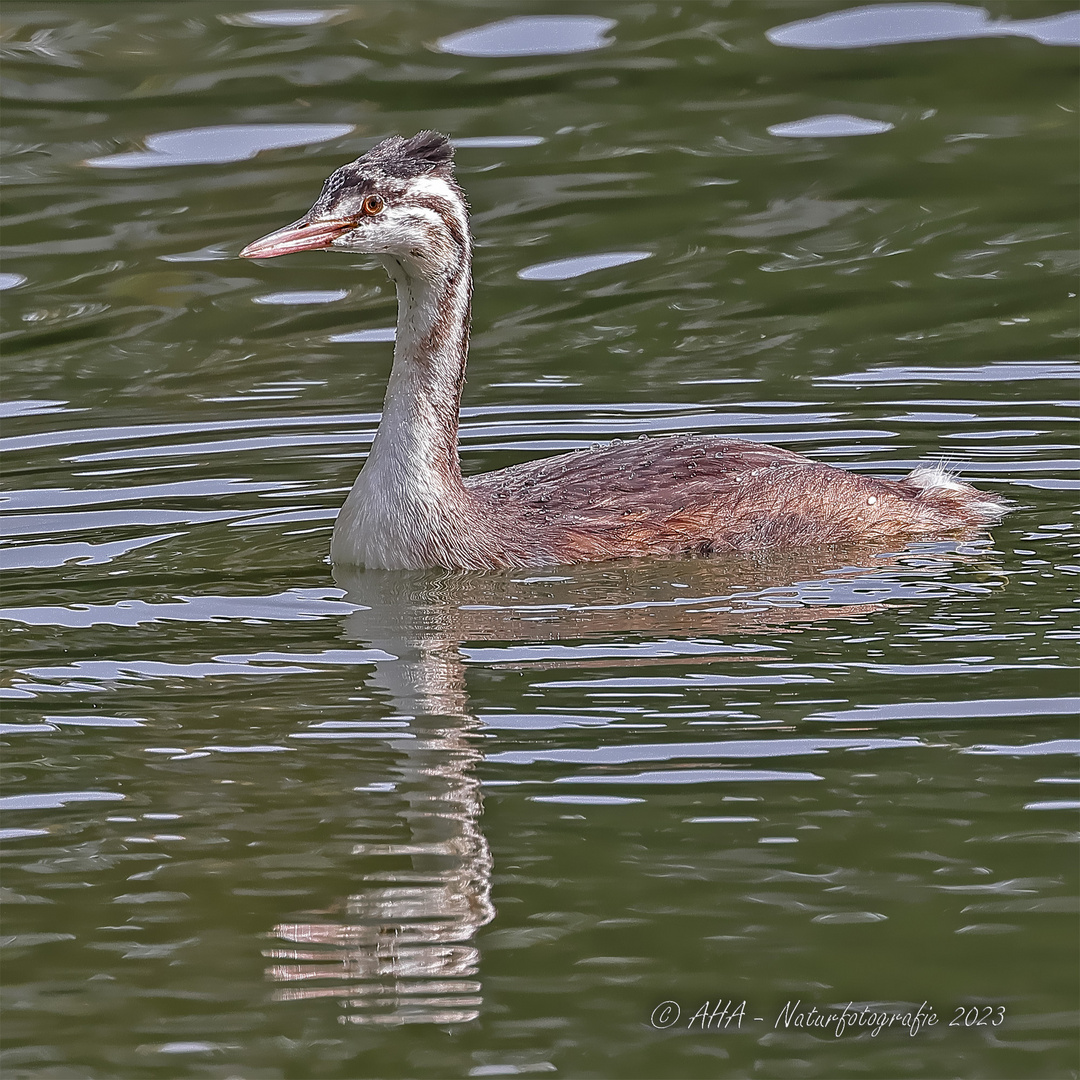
[{"x": 401, "y": 949}]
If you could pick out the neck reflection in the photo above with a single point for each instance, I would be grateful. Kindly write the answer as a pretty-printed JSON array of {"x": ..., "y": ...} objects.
[{"x": 400, "y": 949}]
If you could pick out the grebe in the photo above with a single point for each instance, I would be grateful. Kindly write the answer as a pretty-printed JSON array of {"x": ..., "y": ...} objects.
[{"x": 410, "y": 507}]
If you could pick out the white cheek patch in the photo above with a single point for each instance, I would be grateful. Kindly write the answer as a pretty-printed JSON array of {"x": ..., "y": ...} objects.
[
  {"x": 434, "y": 185},
  {"x": 373, "y": 238},
  {"x": 422, "y": 220},
  {"x": 437, "y": 187},
  {"x": 398, "y": 231}
]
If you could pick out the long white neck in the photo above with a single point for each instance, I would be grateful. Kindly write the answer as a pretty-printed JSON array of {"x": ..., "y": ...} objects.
[
  {"x": 417, "y": 438},
  {"x": 409, "y": 494}
]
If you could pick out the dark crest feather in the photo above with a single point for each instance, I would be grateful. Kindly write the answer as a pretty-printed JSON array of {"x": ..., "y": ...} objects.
[{"x": 425, "y": 152}]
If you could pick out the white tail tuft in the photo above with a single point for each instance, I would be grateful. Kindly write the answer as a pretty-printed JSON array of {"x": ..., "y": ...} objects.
[
  {"x": 935, "y": 478},
  {"x": 932, "y": 478}
]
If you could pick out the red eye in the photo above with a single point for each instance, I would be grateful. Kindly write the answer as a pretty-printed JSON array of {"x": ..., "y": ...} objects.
[{"x": 372, "y": 204}]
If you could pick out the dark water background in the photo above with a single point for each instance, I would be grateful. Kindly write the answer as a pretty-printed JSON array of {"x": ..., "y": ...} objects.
[{"x": 260, "y": 822}]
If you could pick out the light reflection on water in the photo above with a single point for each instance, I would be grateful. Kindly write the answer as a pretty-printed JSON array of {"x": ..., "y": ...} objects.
[
  {"x": 532, "y": 35},
  {"x": 829, "y": 127},
  {"x": 212, "y": 145},
  {"x": 898, "y": 24},
  {"x": 258, "y": 816}
]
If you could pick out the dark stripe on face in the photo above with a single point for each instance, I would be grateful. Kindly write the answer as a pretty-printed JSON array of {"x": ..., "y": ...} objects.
[{"x": 446, "y": 210}]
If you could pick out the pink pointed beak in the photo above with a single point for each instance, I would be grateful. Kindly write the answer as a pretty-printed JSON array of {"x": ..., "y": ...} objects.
[{"x": 302, "y": 235}]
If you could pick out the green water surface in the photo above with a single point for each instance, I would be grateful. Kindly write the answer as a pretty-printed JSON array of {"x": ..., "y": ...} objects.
[{"x": 624, "y": 820}]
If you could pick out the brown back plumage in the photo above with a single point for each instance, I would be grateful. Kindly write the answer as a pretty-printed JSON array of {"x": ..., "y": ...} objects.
[{"x": 698, "y": 495}]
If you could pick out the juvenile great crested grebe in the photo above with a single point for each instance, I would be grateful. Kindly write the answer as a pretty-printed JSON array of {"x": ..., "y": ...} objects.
[{"x": 410, "y": 507}]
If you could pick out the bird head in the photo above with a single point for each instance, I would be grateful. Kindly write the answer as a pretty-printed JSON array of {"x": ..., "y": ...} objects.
[{"x": 399, "y": 201}]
